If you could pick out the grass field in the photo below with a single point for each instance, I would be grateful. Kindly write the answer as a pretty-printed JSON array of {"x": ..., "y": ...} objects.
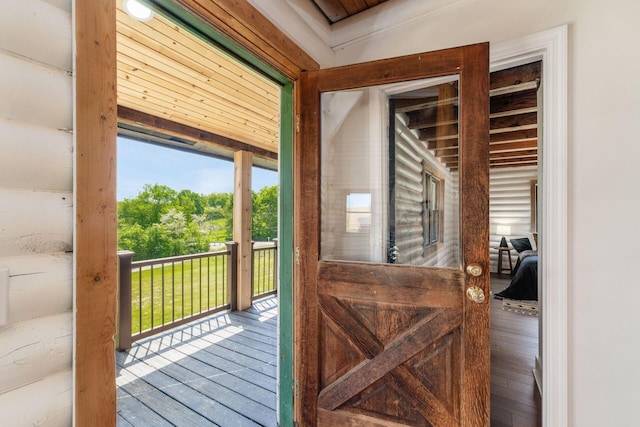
[{"x": 161, "y": 294}]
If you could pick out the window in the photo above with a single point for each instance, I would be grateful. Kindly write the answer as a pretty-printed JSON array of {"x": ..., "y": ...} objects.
[
  {"x": 358, "y": 212},
  {"x": 431, "y": 209}
]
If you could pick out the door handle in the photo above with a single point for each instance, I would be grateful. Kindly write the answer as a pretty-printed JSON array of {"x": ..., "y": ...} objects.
[
  {"x": 475, "y": 294},
  {"x": 474, "y": 270}
]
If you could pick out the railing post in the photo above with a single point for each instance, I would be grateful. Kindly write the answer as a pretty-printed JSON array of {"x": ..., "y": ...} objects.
[
  {"x": 253, "y": 269},
  {"x": 275, "y": 265},
  {"x": 124, "y": 295},
  {"x": 232, "y": 275}
]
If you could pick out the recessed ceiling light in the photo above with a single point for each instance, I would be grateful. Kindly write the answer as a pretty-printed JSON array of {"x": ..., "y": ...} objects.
[{"x": 137, "y": 10}]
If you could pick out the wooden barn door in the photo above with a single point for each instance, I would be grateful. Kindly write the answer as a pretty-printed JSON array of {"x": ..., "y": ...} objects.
[{"x": 388, "y": 333}]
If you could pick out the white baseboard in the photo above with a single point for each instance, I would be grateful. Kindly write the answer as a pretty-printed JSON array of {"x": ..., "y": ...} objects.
[{"x": 537, "y": 375}]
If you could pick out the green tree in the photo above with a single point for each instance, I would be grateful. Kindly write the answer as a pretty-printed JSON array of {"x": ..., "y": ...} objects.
[
  {"x": 265, "y": 214},
  {"x": 189, "y": 203},
  {"x": 145, "y": 210},
  {"x": 161, "y": 222}
]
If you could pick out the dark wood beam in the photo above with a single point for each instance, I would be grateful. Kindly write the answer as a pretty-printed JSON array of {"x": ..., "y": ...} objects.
[
  {"x": 501, "y": 137},
  {"x": 423, "y": 118},
  {"x": 513, "y": 165},
  {"x": 448, "y": 143},
  {"x": 155, "y": 123},
  {"x": 516, "y": 120},
  {"x": 511, "y": 146},
  {"x": 426, "y": 119},
  {"x": 514, "y": 135},
  {"x": 515, "y": 76},
  {"x": 416, "y": 104},
  {"x": 516, "y": 154},
  {"x": 494, "y": 147},
  {"x": 514, "y": 160},
  {"x": 493, "y": 162},
  {"x": 512, "y": 154},
  {"x": 514, "y": 101}
]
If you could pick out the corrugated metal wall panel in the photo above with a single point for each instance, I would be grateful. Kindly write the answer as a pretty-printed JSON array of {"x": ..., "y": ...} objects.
[{"x": 36, "y": 220}]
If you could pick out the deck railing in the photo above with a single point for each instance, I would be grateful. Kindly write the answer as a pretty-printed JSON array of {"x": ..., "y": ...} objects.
[
  {"x": 160, "y": 294},
  {"x": 264, "y": 275}
]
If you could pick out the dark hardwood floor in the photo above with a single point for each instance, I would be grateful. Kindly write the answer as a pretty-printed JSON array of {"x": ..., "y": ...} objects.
[{"x": 515, "y": 400}]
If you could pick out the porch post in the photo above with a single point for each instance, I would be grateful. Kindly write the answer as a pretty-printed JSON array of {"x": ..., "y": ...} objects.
[{"x": 242, "y": 225}]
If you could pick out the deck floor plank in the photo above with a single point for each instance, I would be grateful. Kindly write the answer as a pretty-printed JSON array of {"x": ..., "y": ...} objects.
[
  {"x": 238, "y": 401},
  {"x": 170, "y": 400},
  {"x": 219, "y": 370}
]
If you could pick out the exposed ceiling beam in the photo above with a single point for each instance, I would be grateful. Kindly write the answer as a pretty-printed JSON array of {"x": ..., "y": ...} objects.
[
  {"x": 517, "y": 75},
  {"x": 158, "y": 124},
  {"x": 497, "y": 147}
]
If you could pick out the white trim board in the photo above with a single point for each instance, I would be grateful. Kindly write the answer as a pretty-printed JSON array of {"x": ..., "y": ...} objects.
[{"x": 551, "y": 47}]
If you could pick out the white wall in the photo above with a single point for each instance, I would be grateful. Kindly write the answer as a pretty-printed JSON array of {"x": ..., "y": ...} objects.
[
  {"x": 604, "y": 154},
  {"x": 36, "y": 211}
]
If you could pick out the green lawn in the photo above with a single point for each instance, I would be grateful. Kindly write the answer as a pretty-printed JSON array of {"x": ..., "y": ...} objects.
[{"x": 189, "y": 287}]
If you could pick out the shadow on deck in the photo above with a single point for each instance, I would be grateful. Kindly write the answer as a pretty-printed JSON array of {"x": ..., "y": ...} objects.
[{"x": 216, "y": 371}]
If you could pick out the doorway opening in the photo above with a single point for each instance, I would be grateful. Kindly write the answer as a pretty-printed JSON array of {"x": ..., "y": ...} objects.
[
  {"x": 181, "y": 85},
  {"x": 514, "y": 168}
]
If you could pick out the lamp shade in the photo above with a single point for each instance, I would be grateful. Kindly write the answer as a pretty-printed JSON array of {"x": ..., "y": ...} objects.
[{"x": 504, "y": 230}]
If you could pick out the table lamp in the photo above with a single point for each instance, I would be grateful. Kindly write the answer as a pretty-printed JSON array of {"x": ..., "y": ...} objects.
[{"x": 505, "y": 230}]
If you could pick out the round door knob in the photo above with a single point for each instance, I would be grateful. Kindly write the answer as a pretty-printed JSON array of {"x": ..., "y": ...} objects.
[
  {"x": 474, "y": 270},
  {"x": 475, "y": 294}
]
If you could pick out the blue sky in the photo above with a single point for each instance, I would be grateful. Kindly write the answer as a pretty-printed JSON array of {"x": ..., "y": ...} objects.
[{"x": 140, "y": 163}]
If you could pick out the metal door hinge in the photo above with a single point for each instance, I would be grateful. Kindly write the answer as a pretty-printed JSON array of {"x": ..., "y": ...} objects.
[
  {"x": 297, "y": 388},
  {"x": 297, "y": 122},
  {"x": 297, "y": 255}
]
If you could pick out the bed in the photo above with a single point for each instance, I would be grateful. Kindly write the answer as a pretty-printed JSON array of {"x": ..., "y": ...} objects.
[{"x": 524, "y": 285}]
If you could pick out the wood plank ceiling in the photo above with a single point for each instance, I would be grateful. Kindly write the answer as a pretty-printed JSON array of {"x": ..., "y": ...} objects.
[
  {"x": 513, "y": 118},
  {"x": 174, "y": 83},
  {"x": 337, "y": 10}
]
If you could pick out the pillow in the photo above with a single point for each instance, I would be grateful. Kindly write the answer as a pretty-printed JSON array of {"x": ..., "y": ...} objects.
[
  {"x": 533, "y": 240},
  {"x": 521, "y": 244}
]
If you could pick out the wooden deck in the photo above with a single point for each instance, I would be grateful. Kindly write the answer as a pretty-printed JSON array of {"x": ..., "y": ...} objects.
[{"x": 218, "y": 371}]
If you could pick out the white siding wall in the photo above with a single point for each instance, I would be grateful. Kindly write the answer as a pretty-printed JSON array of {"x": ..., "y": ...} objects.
[
  {"x": 509, "y": 204},
  {"x": 36, "y": 98},
  {"x": 410, "y": 153}
]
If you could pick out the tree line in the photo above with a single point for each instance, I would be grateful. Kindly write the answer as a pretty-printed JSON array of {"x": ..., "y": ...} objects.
[{"x": 161, "y": 222}]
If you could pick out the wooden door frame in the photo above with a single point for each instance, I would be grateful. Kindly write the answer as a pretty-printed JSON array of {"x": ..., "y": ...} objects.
[{"x": 95, "y": 216}]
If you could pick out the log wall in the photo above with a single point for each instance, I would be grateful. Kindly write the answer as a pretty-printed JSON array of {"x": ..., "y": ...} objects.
[
  {"x": 410, "y": 155},
  {"x": 36, "y": 214},
  {"x": 509, "y": 204}
]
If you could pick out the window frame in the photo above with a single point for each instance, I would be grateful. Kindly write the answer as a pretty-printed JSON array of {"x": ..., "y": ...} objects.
[{"x": 432, "y": 212}]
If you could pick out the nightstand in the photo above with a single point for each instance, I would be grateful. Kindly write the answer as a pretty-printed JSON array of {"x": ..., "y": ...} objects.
[{"x": 502, "y": 250}]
